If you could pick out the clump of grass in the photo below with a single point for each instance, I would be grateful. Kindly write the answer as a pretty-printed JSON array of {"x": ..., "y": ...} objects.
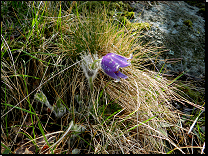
[{"x": 135, "y": 115}]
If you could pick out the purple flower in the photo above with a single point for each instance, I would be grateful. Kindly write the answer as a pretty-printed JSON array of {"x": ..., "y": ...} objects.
[{"x": 111, "y": 62}]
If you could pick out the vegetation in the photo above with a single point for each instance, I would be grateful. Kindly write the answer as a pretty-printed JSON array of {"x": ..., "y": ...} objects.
[
  {"x": 47, "y": 105},
  {"x": 188, "y": 23}
]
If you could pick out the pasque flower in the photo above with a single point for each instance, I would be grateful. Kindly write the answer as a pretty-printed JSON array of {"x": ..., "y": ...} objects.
[
  {"x": 111, "y": 63},
  {"x": 90, "y": 68}
]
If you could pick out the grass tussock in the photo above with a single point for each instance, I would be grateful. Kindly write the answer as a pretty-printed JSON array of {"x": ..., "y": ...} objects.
[{"x": 135, "y": 115}]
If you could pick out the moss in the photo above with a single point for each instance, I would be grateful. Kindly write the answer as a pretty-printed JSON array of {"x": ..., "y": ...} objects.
[
  {"x": 175, "y": 26},
  {"x": 120, "y": 6},
  {"x": 198, "y": 4},
  {"x": 141, "y": 26},
  {"x": 124, "y": 20},
  {"x": 129, "y": 15},
  {"x": 115, "y": 6},
  {"x": 188, "y": 23},
  {"x": 197, "y": 96},
  {"x": 193, "y": 94},
  {"x": 202, "y": 10},
  {"x": 125, "y": 6}
]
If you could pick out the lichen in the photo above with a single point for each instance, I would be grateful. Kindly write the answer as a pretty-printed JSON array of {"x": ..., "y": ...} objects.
[{"x": 188, "y": 23}]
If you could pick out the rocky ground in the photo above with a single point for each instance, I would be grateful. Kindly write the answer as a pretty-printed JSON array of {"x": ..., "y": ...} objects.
[{"x": 180, "y": 27}]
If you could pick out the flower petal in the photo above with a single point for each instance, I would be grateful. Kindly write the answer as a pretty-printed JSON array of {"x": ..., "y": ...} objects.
[
  {"x": 109, "y": 65},
  {"x": 121, "y": 75},
  {"x": 112, "y": 74},
  {"x": 121, "y": 60}
]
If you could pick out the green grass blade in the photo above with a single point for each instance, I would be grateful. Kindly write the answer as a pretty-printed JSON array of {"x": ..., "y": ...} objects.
[
  {"x": 7, "y": 150},
  {"x": 38, "y": 58},
  {"x": 86, "y": 142},
  {"x": 6, "y": 124},
  {"x": 176, "y": 78},
  {"x": 25, "y": 110},
  {"x": 21, "y": 75},
  {"x": 111, "y": 116},
  {"x": 141, "y": 123}
]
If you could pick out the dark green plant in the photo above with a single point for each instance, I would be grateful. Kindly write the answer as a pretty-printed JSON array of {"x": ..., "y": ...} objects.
[{"x": 188, "y": 23}]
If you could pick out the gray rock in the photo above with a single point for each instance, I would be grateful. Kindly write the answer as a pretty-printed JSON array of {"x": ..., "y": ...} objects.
[{"x": 185, "y": 41}]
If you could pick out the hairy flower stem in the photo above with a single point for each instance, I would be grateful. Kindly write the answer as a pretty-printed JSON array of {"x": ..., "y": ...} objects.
[
  {"x": 93, "y": 64},
  {"x": 91, "y": 78},
  {"x": 91, "y": 83}
]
